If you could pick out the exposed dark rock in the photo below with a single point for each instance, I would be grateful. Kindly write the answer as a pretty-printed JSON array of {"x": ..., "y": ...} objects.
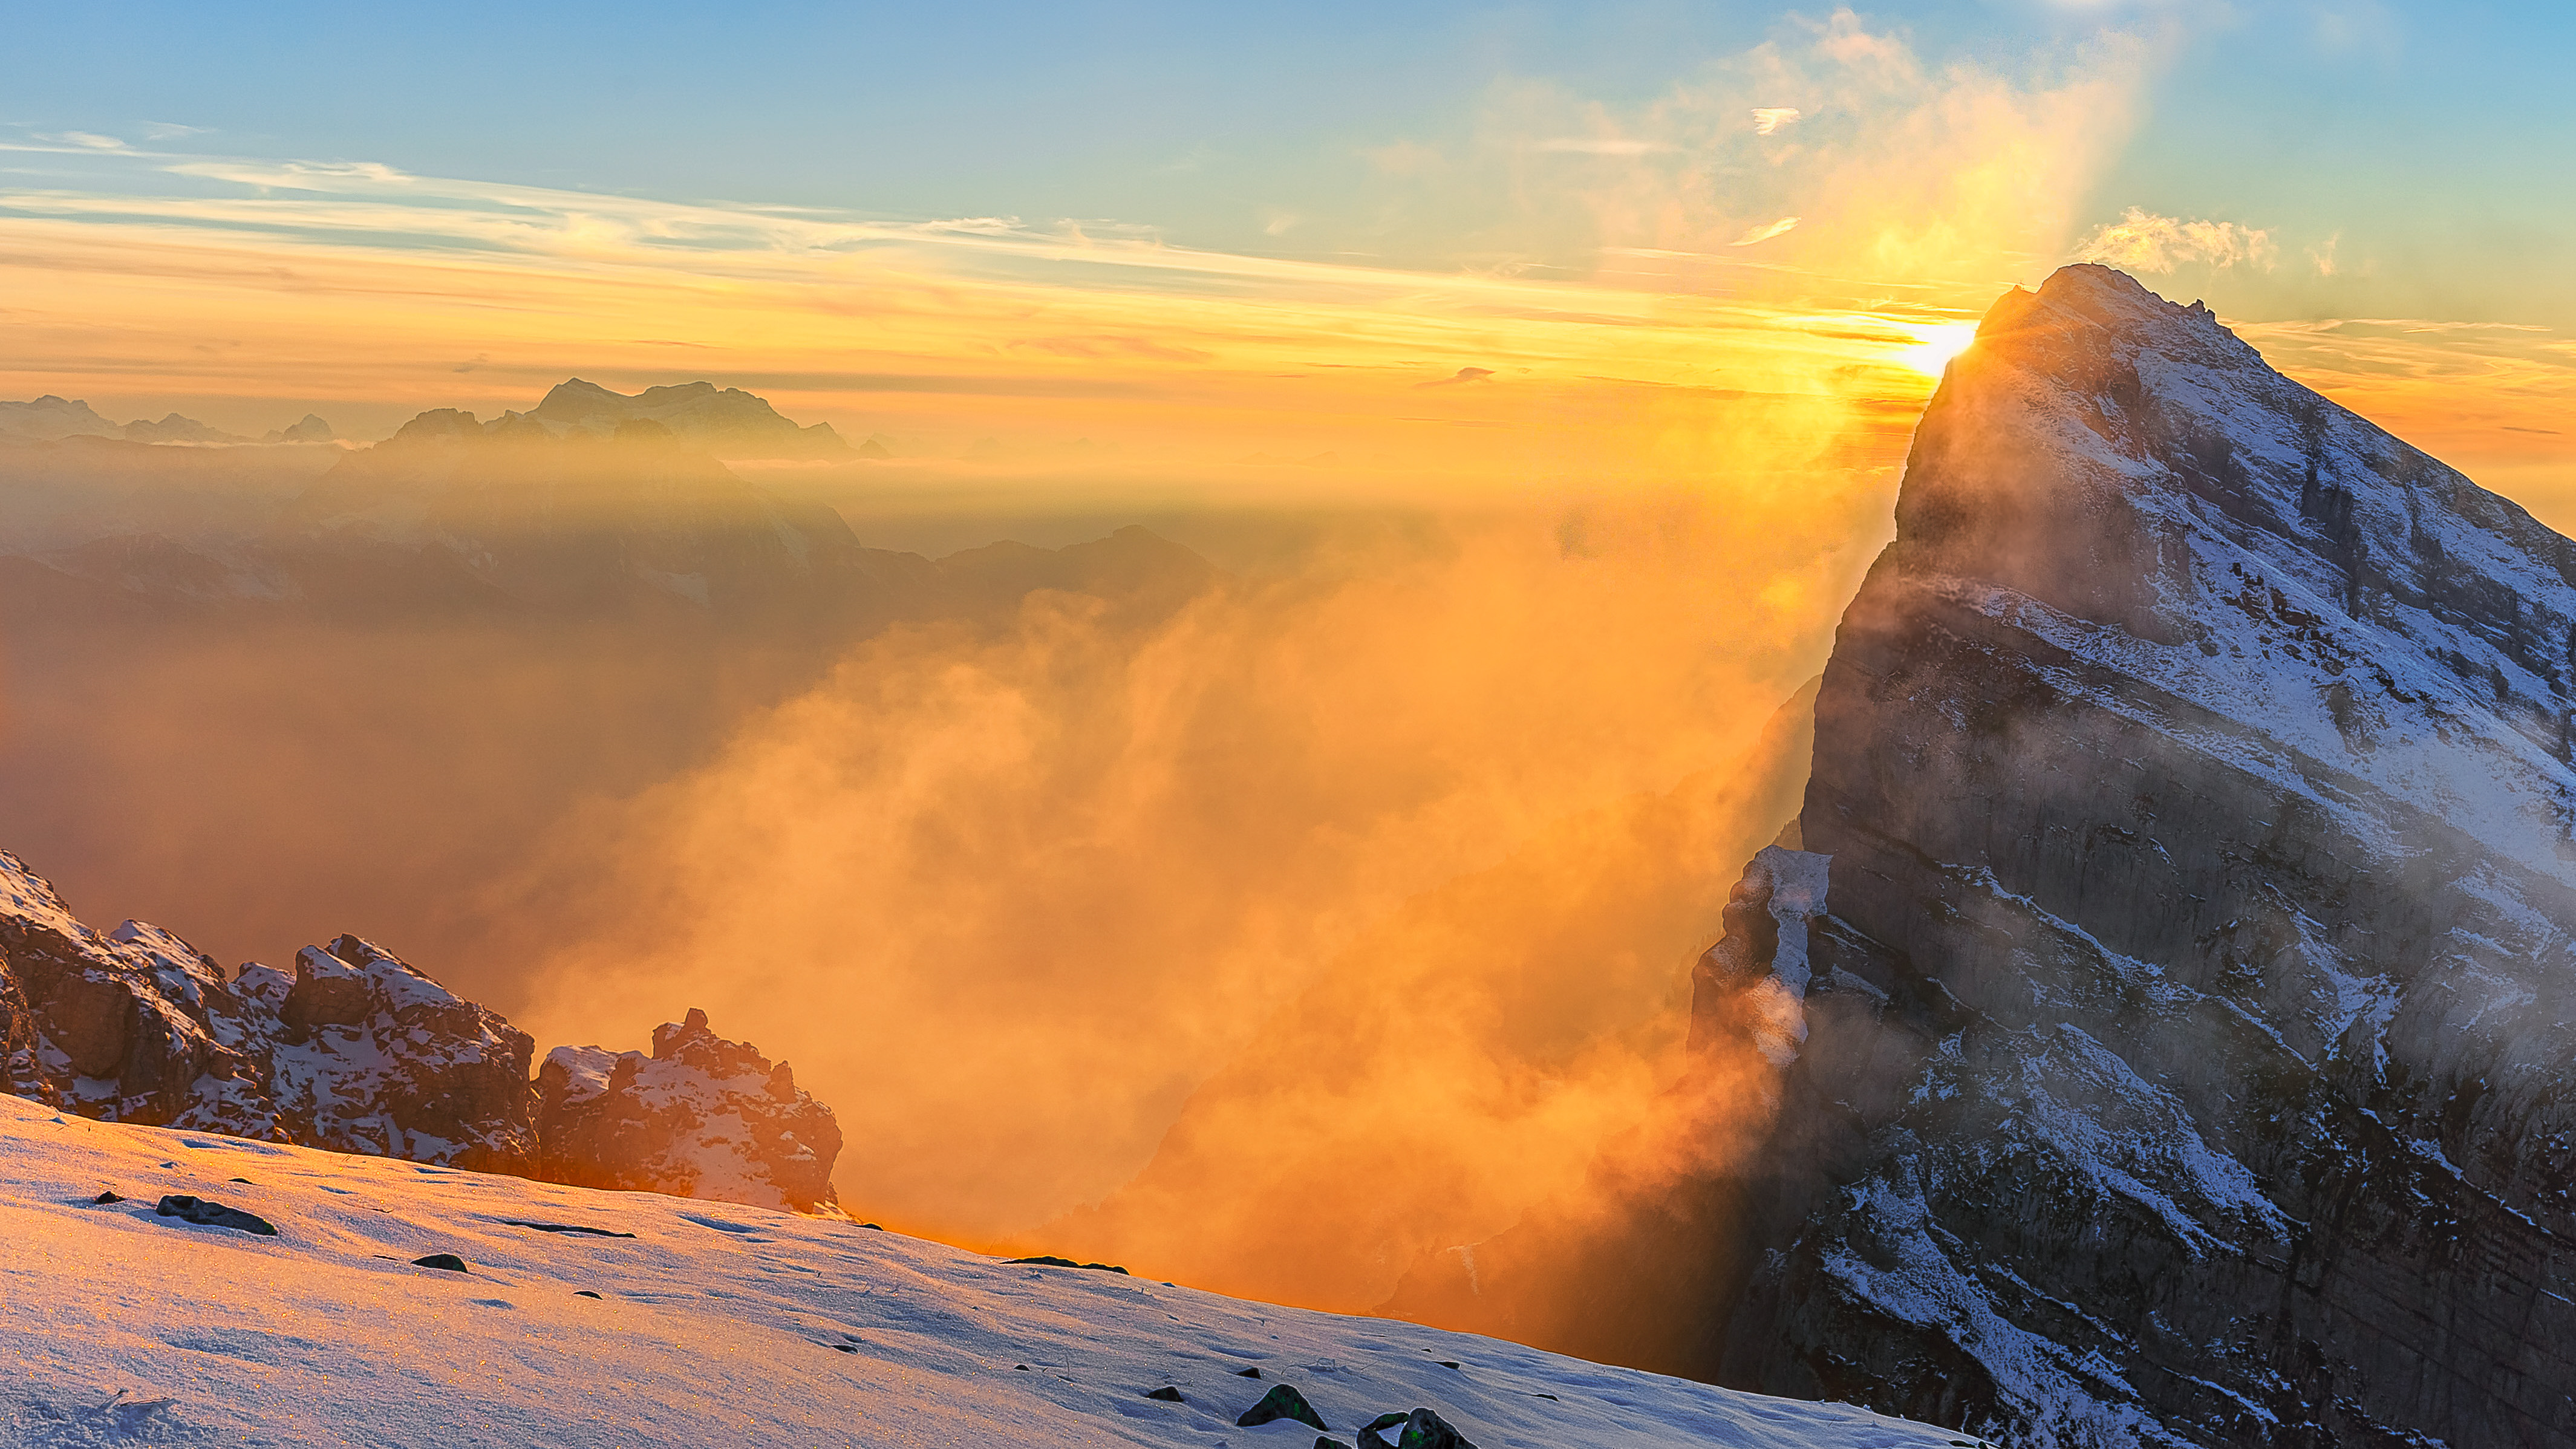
[
  {"x": 129, "y": 1026},
  {"x": 1247, "y": 1373},
  {"x": 358, "y": 1052},
  {"x": 370, "y": 1055},
  {"x": 209, "y": 1213},
  {"x": 583, "y": 1293},
  {"x": 565, "y": 1228},
  {"x": 107, "y": 1197},
  {"x": 1049, "y": 1260},
  {"x": 700, "y": 1117},
  {"x": 1282, "y": 1402},
  {"x": 1167, "y": 1394},
  {"x": 445, "y": 1262}
]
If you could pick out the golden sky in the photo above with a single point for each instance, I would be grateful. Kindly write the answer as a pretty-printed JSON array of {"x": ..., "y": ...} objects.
[{"x": 1711, "y": 288}]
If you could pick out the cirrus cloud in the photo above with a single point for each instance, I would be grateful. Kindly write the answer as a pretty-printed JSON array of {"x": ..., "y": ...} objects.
[
  {"x": 1766, "y": 231},
  {"x": 1602, "y": 145}
]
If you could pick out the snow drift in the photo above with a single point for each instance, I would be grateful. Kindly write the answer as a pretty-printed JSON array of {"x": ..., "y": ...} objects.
[{"x": 572, "y": 1318}]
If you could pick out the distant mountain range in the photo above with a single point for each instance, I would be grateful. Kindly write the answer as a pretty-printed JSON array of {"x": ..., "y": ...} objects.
[
  {"x": 50, "y": 418},
  {"x": 594, "y": 502},
  {"x": 723, "y": 422}
]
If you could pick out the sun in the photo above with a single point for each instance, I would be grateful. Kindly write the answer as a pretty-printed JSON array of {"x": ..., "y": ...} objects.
[{"x": 1935, "y": 346}]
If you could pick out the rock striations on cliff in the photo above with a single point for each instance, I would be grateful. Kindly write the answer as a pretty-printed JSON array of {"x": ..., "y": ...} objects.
[
  {"x": 2184, "y": 1033},
  {"x": 358, "y": 1051}
]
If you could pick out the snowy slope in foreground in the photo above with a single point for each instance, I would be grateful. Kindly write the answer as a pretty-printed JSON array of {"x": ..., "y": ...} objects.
[{"x": 716, "y": 1324}]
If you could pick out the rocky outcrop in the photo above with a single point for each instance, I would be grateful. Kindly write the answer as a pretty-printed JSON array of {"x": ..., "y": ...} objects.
[
  {"x": 701, "y": 1116},
  {"x": 129, "y": 1026},
  {"x": 368, "y": 1054},
  {"x": 2185, "y": 1025},
  {"x": 359, "y": 1051}
]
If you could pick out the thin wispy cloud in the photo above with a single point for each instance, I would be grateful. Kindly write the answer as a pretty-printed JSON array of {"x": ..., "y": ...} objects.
[
  {"x": 1766, "y": 231},
  {"x": 1602, "y": 145},
  {"x": 2141, "y": 241},
  {"x": 1767, "y": 119},
  {"x": 1462, "y": 375}
]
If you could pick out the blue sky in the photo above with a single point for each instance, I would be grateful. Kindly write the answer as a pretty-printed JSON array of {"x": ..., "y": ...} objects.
[{"x": 2430, "y": 141}]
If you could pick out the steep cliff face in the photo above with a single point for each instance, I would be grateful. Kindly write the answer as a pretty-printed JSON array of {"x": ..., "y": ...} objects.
[
  {"x": 2186, "y": 1026},
  {"x": 358, "y": 1051}
]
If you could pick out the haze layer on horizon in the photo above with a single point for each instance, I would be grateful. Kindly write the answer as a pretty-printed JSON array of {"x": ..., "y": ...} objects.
[{"x": 1455, "y": 256}]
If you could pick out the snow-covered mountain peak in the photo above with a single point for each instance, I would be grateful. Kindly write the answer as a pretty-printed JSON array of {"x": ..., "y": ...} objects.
[{"x": 2199, "y": 949}]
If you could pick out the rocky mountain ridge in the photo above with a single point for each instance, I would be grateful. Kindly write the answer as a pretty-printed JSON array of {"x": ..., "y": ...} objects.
[
  {"x": 2181, "y": 1039},
  {"x": 358, "y": 1051}
]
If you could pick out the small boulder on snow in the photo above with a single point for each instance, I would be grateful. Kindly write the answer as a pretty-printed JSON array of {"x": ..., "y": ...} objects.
[
  {"x": 1282, "y": 1402},
  {"x": 1421, "y": 1429},
  {"x": 206, "y": 1212},
  {"x": 701, "y": 1117}
]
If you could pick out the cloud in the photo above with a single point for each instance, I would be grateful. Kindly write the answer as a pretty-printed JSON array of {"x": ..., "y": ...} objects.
[
  {"x": 169, "y": 130},
  {"x": 90, "y": 140},
  {"x": 1952, "y": 175},
  {"x": 1105, "y": 345},
  {"x": 1464, "y": 374},
  {"x": 1765, "y": 232},
  {"x": 1602, "y": 145},
  {"x": 2324, "y": 256},
  {"x": 978, "y": 225},
  {"x": 2141, "y": 241}
]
